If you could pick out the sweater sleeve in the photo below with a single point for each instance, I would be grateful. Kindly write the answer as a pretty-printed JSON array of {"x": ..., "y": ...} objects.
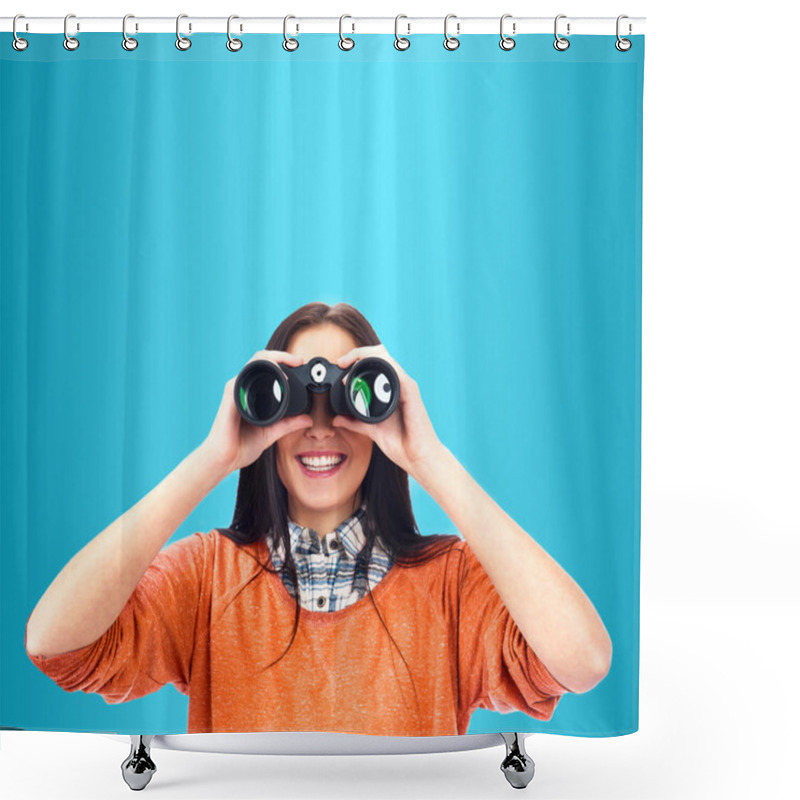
[
  {"x": 497, "y": 669},
  {"x": 151, "y": 642}
]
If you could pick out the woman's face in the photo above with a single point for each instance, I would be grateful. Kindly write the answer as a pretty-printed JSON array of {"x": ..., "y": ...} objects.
[{"x": 321, "y": 496}]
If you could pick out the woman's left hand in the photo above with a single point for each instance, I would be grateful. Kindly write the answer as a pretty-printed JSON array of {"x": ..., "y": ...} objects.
[{"x": 407, "y": 436}]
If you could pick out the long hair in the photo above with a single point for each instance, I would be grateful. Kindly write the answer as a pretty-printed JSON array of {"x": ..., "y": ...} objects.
[{"x": 261, "y": 500}]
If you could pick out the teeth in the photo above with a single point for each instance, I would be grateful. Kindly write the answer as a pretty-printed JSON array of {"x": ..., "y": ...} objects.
[{"x": 324, "y": 462}]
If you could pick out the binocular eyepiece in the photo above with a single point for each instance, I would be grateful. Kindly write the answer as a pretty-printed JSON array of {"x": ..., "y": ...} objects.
[{"x": 266, "y": 391}]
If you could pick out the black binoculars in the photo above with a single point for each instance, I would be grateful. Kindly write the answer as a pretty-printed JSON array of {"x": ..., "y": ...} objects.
[{"x": 266, "y": 391}]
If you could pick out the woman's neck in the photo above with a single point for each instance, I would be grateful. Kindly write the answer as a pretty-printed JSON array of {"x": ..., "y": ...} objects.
[{"x": 323, "y": 521}]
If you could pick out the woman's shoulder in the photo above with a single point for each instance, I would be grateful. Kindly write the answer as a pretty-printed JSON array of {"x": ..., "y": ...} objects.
[
  {"x": 232, "y": 552},
  {"x": 212, "y": 556},
  {"x": 191, "y": 551},
  {"x": 435, "y": 563},
  {"x": 435, "y": 579},
  {"x": 210, "y": 546},
  {"x": 429, "y": 551},
  {"x": 448, "y": 565}
]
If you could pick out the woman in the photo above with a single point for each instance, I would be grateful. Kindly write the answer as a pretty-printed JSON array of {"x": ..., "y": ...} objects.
[{"x": 322, "y": 607}]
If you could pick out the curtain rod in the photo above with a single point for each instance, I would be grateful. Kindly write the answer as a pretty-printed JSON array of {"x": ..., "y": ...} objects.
[{"x": 407, "y": 25}]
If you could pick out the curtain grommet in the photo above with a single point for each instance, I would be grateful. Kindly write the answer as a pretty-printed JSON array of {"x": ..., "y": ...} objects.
[
  {"x": 70, "y": 42},
  {"x": 451, "y": 42},
  {"x": 345, "y": 42},
  {"x": 128, "y": 42},
  {"x": 622, "y": 44},
  {"x": 182, "y": 42},
  {"x": 400, "y": 42},
  {"x": 561, "y": 44},
  {"x": 18, "y": 43},
  {"x": 289, "y": 44},
  {"x": 233, "y": 44},
  {"x": 507, "y": 42}
]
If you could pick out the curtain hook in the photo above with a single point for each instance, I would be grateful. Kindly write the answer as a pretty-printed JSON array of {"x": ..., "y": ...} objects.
[
  {"x": 70, "y": 42},
  {"x": 451, "y": 42},
  {"x": 128, "y": 42},
  {"x": 345, "y": 42},
  {"x": 18, "y": 43},
  {"x": 561, "y": 43},
  {"x": 400, "y": 42},
  {"x": 289, "y": 44},
  {"x": 233, "y": 44},
  {"x": 623, "y": 45},
  {"x": 181, "y": 42},
  {"x": 506, "y": 42}
]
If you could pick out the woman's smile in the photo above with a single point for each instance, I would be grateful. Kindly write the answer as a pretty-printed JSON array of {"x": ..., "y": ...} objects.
[{"x": 320, "y": 463}]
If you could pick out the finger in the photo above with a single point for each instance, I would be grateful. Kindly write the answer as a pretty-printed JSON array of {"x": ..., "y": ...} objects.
[
  {"x": 293, "y": 359},
  {"x": 347, "y": 359},
  {"x": 360, "y": 352},
  {"x": 409, "y": 389},
  {"x": 287, "y": 425},
  {"x": 278, "y": 357},
  {"x": 296, "y": 423},
  {"x": 354, "y": 425}
]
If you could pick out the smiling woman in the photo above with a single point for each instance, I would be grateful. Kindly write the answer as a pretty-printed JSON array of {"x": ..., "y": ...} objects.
[
  {"x": 323, "y": 467},
  {"x": 322, "y": 592}
]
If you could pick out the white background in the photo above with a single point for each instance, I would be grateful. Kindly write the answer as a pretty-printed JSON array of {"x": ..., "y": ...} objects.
[{"x": 720, "y": 476}]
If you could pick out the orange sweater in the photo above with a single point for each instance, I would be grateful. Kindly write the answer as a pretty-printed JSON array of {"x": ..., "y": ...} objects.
[{"x": 208, "y": 619}]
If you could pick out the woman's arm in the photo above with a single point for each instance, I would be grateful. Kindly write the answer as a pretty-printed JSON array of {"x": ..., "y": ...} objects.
[
  {"x": 556, "y": 618},
  {"x": 85, "y": 598}
]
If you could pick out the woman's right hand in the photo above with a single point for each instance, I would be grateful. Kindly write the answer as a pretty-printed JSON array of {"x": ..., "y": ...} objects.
[{"x": 234, "y": 443}]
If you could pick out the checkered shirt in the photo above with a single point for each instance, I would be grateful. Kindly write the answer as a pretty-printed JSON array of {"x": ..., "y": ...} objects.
[{"x": 331, "y": 572}]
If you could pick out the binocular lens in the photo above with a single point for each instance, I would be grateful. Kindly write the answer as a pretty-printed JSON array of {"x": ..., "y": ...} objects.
[
  {"x": 371, "y": 392},
  {"x": 265, "y": 392},
  {"x": 261, "y": 393}
]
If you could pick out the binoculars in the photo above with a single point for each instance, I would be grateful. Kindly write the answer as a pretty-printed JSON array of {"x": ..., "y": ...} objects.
[{"x": 265, "y": 391}]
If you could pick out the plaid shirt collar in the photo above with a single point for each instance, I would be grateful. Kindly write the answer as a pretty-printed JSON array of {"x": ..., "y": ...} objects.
[
  {"x": 332, "y": 570},
  {"x": 349, "y": 536}
]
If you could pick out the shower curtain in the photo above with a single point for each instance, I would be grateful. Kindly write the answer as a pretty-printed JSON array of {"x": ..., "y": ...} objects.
[{"x": 164, "y": 210}]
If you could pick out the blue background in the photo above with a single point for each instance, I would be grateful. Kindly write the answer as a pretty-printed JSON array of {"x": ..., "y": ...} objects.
[{"x": 482, "y": 208}]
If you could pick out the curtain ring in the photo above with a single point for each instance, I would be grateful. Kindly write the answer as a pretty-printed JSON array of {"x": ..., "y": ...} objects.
[
  {"x": 345, "y": 42},
  {"x": 623, "y": 45},
  {"x": 70, "y": 42},
  {"x": 128, "y": 42},
  {"x": 18, "y": 43},
  {"x": 400, "y": 42},
  {"x": 506, "y": 42},
  {"x": 233, "y": 44},
  {"x": 561, "y": 43},
  {"x": 181, "y": 42},
  {"x": 451, "y": 42},
  {"x": 289, "y": 44}
]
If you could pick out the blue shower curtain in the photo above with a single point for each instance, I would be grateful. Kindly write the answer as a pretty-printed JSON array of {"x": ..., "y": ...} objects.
[{"x": 163, "y": 211}]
